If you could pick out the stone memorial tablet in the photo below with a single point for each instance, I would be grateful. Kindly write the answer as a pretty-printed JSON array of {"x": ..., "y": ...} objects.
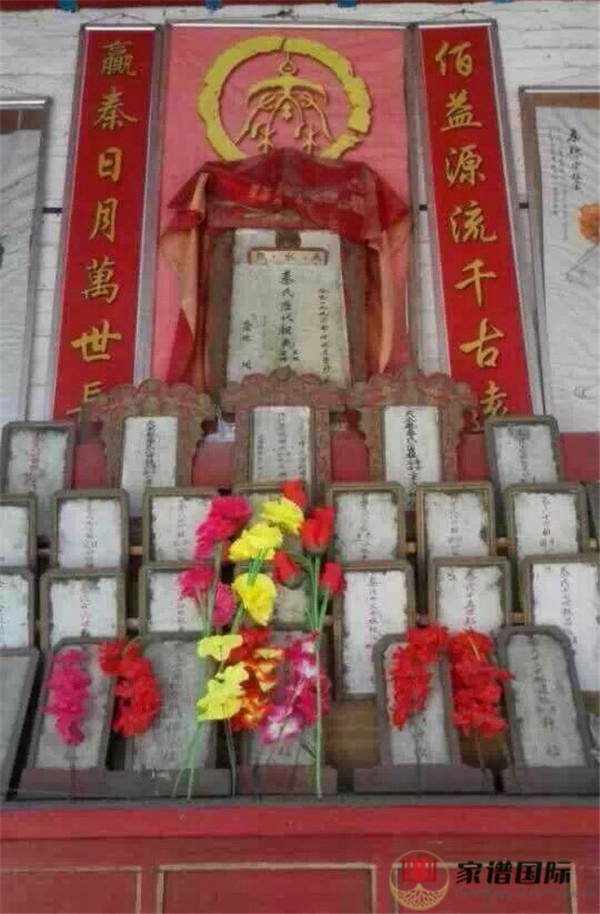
[
  {"x": 162, "y": 609},
  {"x": 369, "y": 522},
  {"x": 470, "y": 593},
  {"x": 82, "y": 605},
  {"x": 281, "y": 444},
  {"x": 18, "y": 534},
  {"x": 455, "y": 519},
  {"x": 378, "y": 600},
  {"x": 149, "y": 457},
  {"x": 170, "y": 520},
  {"x": 412, "y": 447},
  {"x": 565, "y": 591},
  {"x": 523, "y": 450},
  {"x": 90, "y": 530},
  {"x": 37, "y": 458},
  {"x": 17, "y": 596},
  {"x": 18, "y": 668},
  {"x": 546, "y": 520}
]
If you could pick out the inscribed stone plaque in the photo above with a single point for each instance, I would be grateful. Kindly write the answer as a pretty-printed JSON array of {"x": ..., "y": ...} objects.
[
  {"x": 14, "y": 536},
  {"x": 367, "y": 525},
  {"x": 165, "y": 610},
  {"x": 14, "y": 675},
  {"x": 39, "y": 461},
  {"x": 90, "y": 532},
  {"x": 182, "y": 680},
  {"x": 524, "y": 453},
  {"x": 170, "y": 530},
  {"x": 16, "y": 596},
  {"x": 455, "y": 523},
  {"x": 375, "y": 603},
  {"x": 423, "y": 740},
  {"x": 412, "y": 447},
  {"x": 545, "y": 523},
  {"x": 288, "y": 310},
  {"x": 544, "y": 705},
  {"x": 51, "y": 751},
  {"x": 469, "y": 596},
  {"x": 149, "y": 456},
  {"x": 82, "y": 606},
  {"x": 567, "y": 594},
  {"x": 281, "y": 443}
]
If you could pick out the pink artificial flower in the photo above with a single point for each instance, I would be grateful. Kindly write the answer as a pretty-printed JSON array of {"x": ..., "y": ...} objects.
[
  {"x": 227, "y": 514},
  {"x": 280, "y": 723},
  {"x": 196, "y": 581},
  {"x": 68, "y": 691},
  {"x": 300, "y": 655},
  {"x": 224, "y": 605}
]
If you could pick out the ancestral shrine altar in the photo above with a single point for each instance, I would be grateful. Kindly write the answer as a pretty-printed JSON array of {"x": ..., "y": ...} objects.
[{"x": 274, "y": 602}]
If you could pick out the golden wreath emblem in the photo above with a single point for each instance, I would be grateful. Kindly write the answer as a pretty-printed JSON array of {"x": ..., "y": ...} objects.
[
  {"x": 413, "y": 869},
  {"x": 286, "y": 97}
]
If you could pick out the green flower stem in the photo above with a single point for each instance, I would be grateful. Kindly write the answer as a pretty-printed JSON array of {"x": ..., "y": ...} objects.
[
  {"x": 213, "y": 587},
  {"x": 231, "y": 754},
  {"x": 319, "y": 729}
]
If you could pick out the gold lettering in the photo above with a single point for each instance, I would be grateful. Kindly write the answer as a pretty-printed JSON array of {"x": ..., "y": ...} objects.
[
  {"x": 110, "y": 113},
  {"x": 100, "y": 283},
  {"x": 109, "y": 163},
  {"x": 484, "y": 357},
  {"x": 93, "y": 343},
  {"x": 459, "y": 112},
  {"x": 105, "y": 218},
  {"x": 89, "y": 391},
  {"x": 463, "y": 62},
  {"x": 118, "y": 59},
  {"x": 463, "y": 165},
  {"x": 475, "y": 279},
  {"x": 467, "y": 223}
]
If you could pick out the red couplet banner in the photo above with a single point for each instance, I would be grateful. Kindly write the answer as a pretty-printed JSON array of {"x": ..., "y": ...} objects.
[
  {"x": 472, "y": 217},
  {"x": 104, "y": 209}
]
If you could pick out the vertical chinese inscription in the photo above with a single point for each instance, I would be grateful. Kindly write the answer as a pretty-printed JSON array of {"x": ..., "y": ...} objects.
[
  {"x": 281, "y": 443},
  {"x": 83, "y": 607},
  {"x": 469, "y": 597},
  {"x": 546, "y": 523},
  {"x": 149, "y": 456},
  {"x": 412, "y": 447}
]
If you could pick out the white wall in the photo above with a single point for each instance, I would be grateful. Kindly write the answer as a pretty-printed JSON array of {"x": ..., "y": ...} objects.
[{"x": 542, "y": 41}]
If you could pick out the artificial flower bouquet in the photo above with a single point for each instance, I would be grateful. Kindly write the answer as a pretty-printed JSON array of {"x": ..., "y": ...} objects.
[{"x": 279, "y": 692}]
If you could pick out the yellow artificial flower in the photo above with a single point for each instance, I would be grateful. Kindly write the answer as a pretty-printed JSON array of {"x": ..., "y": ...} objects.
[
  {"x": 218, "y": 646},
  {"x": 260, "y": 541},
  {"x": 224, "y": 694},
  {"x": 257, "y": 598},
  {"x": 285, "y": 514}
]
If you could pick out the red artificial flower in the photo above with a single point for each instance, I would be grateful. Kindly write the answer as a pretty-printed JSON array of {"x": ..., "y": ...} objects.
[
  {"x": 331, "y": 581},
  {"x": 224, "y": 605},
  {"x": 196, "y": 581},
  {"x": 427, "y": 642},
  {"x": 469, "y": 644},
  {"x": 293, "y": 489},
  {"x": 109, "y": 656},
  {"x": 136, "y": 691},
  {"x": 317, "y": 530},
  {"x": 286, "y": 571},
  {"x": 252, "y": 639}
]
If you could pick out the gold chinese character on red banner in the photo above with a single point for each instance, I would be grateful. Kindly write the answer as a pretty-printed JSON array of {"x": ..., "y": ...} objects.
[
  {"x": 110, "y": 113},
  {"x": 493, "y": 400},
  {"x": 485, "y": 356},
  {"x": 109, "y": 163},
  {"x": 459, "y": 112},
  {"x": 100, "y": 284},
  {"x": 467, "y": 223},
  {"x": 475, "y": 268},
  {"x": 463, "y": 165},
  {"x": 463, "y": 62},
  {"x": 105, "y": 218},
  {"x": 93, "y": 343},
  {"x": 118, "y": 59},
  {"x": 89, "y": 391}
]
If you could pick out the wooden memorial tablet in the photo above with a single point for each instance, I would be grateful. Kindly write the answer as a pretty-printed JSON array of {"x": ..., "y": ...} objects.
[
  {"x": 17, "y": 608},
  {"x": 90, "y": 529},
  {"x": 18, "y": 531},
  {"x": 424, "y": 755},
  {"x": 546, "y": 520},
  {"x": 82, "y": 604},
  {"x": 470, "y": 593},
  {"x": 549, "y": 734},
  {"x": 369, "y": 521},
  {"x": 378, "y": 600},
  {"x": 37, "y": 458},
  {"x": 170, "y": 519},
  {"x": 18, "y": 671},
  {"x": 162, "y": 609}
]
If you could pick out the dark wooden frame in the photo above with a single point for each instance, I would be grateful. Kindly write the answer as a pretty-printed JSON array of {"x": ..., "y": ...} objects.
[
  {"x": 422, "y": 490},
  {"x": 495, "y": 561},
  {"x": 502, "y": 422},
  {"x": 218, "y": 304},
  {"x": 28, "y": 503},
  {"x": 390, "y": 777},
  {"x": 60, "y": 574},
  {"x": 564, "y": 488},
  {"x": 341, "y": 694},
  {"x": 541, "y": 779},
  {"x": 143, "y": 591},
  {"x": 191, "y": 492},
  {"x": 30, "y": 578},
  {"x": 410, "y": 387},
  {"x": 593, "y": 496},
  {"x": 17, "y": 734},
  {"x": 396, "y": 492},
  {"x": 283, "y": 388},
  {"x": 84, "y": 495}
]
